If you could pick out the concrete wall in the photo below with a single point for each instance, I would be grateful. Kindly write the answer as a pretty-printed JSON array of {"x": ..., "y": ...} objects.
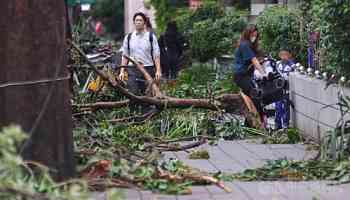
[{"x": 310, "y": 99}]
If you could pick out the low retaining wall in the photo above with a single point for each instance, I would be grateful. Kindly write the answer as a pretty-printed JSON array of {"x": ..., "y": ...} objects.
[{"x": 314, "y": 111}]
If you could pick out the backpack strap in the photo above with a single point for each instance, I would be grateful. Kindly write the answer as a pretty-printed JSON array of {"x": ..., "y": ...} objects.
[
  {"x": 128, "y": 38},
  {"x": 151, "y": 41}
]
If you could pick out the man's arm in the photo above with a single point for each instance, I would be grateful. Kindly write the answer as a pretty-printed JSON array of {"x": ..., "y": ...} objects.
[
  {"x": 158, "y": 69},
  {"x": 124, "y": 60},
  {"x": 156, "y": 57}
]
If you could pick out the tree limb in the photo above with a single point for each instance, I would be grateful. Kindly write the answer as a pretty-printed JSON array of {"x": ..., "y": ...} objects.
[
  {"x": 162, "y": 101},
  {"x": 103, "y": 105},
  {"x": 168, "y": 147}
]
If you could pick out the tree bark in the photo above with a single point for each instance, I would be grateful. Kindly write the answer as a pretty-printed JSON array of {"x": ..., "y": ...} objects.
[{"x": 32, "y": 51}]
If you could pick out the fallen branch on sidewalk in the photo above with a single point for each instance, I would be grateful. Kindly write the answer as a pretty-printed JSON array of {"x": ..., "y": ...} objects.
[
  {"x": 169, "y": 147},
  {"x": 145, "y": 161}
]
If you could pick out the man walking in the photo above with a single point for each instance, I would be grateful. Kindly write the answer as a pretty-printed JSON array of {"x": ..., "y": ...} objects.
[{"x": 142, "y": 45}]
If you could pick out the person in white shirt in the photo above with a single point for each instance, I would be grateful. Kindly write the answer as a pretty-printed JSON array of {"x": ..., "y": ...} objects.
[
  {"x": 142, "y": 45},
  {"x": 284, "y": 67}
]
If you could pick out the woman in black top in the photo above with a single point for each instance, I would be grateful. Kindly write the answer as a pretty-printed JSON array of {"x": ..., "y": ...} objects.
[{"x": 171, "y": 44}]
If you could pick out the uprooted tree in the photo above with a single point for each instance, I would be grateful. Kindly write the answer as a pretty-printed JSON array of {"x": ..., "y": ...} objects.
[{"x": 238, "y": 102}]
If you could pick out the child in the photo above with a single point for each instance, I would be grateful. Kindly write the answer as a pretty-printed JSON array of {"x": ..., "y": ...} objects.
[{"x": 284, "y": 67}]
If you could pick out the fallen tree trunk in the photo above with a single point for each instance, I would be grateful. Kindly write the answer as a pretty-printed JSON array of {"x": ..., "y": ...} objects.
[{"x": 238, "y": 102}]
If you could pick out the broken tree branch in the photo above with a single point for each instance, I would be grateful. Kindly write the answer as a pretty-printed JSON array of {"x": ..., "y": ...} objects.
[
  {"x": 195, "y": 177},
  {"x": 209, "y": 179},
  {"x": 158, "y": 99},
  {"x": 163, "y": 148},
  {"x": 103, "y": 105},
  {"x": 100, "y": 184}
]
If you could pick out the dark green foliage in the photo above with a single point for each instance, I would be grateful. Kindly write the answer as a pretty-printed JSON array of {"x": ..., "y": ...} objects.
[
  {"x": 212, "y": 38},
  {"x": 165, "y": 11},
  {"x": 210, "y": 30},
  {"x": 111, "y": 12},
  {"x": 330, "y": 19},
  {"x": 336, "y": 34},
  {"x": 279, "y": 29},
  {"x": 198, "y": 81},
  {"x": 187, "y": 18}
]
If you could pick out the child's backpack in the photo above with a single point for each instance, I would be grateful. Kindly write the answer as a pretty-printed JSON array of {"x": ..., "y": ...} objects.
[{"x": 271, "y": 88}]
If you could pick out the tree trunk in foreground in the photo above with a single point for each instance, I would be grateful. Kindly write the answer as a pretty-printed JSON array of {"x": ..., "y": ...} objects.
[{"x": 36, "y": 95}]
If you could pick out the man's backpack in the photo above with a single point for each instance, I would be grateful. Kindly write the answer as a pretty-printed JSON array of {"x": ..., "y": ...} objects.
[{"x": 150, "y": 40}]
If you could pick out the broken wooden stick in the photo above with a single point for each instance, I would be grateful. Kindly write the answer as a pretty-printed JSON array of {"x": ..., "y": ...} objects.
[
  {"x": 103, "y": 105},
  {"x": 169, "y": 147},
  {"x": 209, "y": 179}
]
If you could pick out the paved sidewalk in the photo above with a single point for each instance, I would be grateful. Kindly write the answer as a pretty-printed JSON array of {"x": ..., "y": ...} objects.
[{"x": 235, "y": 156}]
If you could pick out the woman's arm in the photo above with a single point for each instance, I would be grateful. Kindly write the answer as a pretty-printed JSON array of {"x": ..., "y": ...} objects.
[{"x": 258, "y": 66}]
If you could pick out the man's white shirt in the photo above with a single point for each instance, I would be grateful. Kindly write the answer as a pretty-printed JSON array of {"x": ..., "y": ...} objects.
[{"x": 140, "y": 47}]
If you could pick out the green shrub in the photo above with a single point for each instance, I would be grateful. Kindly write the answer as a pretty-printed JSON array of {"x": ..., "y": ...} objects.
[
  {"x": 197, "y": 80},
  {"x": 212, "y": 38},
  {"x": 330, "y": 19},
  {"x": 187, "y": 18},
  {"x": 210, "y": 30},
  {"x": 335, "y": 34},
  {"x": 165, "y": 10},
  {"x": 279, "y": 28},
  {"x": 112, "y": 14}
]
